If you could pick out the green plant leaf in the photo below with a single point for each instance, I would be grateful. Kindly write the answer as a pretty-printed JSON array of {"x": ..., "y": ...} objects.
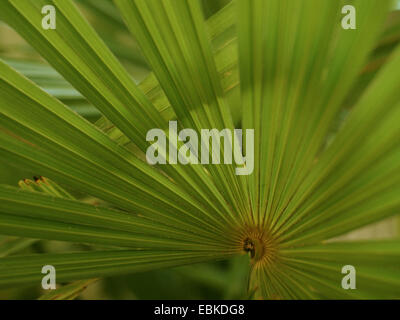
[
  {"x": 68, "y": 292},
  {"x": 43, "y": 216},
  {"x": 324, "y": 105},
  {"x": 24, "y": 270}
]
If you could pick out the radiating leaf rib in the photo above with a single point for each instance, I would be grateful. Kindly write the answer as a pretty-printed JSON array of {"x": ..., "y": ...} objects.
[
  {"x": 317, "y": 283},
  {"x": 358, "y": 153},
  {"x": 273, "y": 80},
  {"x": 317, "y": 270},
  {"x": 376, "y": 265},
  {"x": 294, "y": 113},
  {"x": 371, "y": 282},
  {"x": 25, "y": 270},
  {"x": 96, "y": 73},
  {"x": 222, "y": 34},
  {"x": 49, "y": 208},
  {"x": 345, "y": 60},
  {"x": 86, "y": 63},
  {"x": 221, "y": 28},
  {"x": 11, "y": 245},
  {"x": 74, "y": 148},
  {"x": 316, "y": 176},
  {"x": 181, "y": 57},
  {"x": 51, "y": 230},
  {"x": 372, "y": 252},
  {"x": 372, "y": 202}
]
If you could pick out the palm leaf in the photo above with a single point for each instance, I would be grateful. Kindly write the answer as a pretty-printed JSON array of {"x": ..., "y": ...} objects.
[
  {"x": 68, "y": 292},
  {"x": 326, "y": 157}
]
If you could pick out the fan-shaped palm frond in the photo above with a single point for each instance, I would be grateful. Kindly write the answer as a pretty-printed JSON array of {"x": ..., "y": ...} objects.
[{"x": 324, "y": 103}]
